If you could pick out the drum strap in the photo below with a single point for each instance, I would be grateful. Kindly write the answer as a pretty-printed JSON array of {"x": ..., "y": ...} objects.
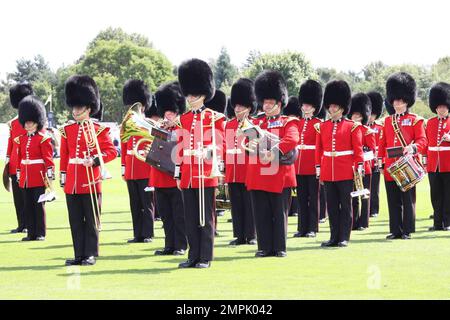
[{"x": 398, "y": 132}]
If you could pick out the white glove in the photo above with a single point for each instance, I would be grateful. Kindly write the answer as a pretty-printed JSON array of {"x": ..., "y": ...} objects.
[
  {"x": 18, "y": 175},
  {"x": 361, "y": 170},
  {"x": 50, "y": 173},
  {"x": 317, "y": 172},
  {"x": 62, "y": 180},
  {"x": 123, "y": 170}
]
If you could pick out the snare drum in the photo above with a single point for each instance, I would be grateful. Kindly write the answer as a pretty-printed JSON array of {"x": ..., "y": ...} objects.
[{"x": 406, "y": 172}]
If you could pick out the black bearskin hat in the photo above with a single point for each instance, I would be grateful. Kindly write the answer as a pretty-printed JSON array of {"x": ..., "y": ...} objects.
[
  {"x": 32, "y": 109},
  {"x": 439, "y": 95},
  {"x": 377, "y": 103},
  {"x": 401, "y": 85},
  {"x": 337, "y": 92},
  {"x": 153, "y": 110},
  {"x": 389, "y": 108},
  {"x": 169, "y": 97},
  {"x": 270, "y": 84},
  {"x": 243, "y": 93},
  {"x": 218, "y": 103},
  {"x": 361, "y": 103},
  {"x": 135, "y": 91},
  {"x": 81, "y": 90},
  {"x": 18, "y": 92},
  {"x": 99, "y": 114},
  {"x": 322, "y": 114},
  {"x": 196, "y": 78},
  {"x": 311, "y": 93},
  {"x": 293, "y": 107},
  {"x": 230, "y": 110}
]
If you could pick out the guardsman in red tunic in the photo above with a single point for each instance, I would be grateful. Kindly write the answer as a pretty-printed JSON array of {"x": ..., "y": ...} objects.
[
  {"x": 16, "y": 94},
  {"x": 200, "y": 143},
  {"x": 169, "y": 202},
  {"x": 377, "y": 108},
  {"x": 338, "y": 153},
  {"x": 360, "y": 111},
  {"x": 401, "y": 94},
  {"x": 236, "y": 160},
  {"x": 323, "y": 215},
  {"x": 136, "y": 172},
  {"x": 437, "y": 158},
  {"x": 80, "y": 166},
  {"x": 271, "y": 168},
  {"x": 35, "y": 158},
  {"x": 310, "y": 99}
]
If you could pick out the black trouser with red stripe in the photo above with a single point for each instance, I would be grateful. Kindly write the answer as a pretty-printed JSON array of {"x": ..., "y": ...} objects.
[
  {"x": 82, "y": 224},
  {"x": 269, "y": 210},
  {"x": 308, "y": 198},
  {"x": 402, "y": 209},
  {"x": 440, "y": 198},
  {"x": 18, "y": 203},
  {"x": 169, "y": 203},
  {"x": 375, "y": 193},
  {"x": 142, "y": 208},
  {"x": 200, "y": 239},
  {"x": 241, "y": 212},
  {"x": 339, "y": 205},
  {"x": 34, "y": 212},
  {"x": 361, "y": 217}
]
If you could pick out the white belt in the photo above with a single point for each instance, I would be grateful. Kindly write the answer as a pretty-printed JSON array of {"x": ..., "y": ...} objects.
[
  {"x": 306, "y": 147},
  {"x": 369, "y": 156},
  {"x": 234, "y": 151},
  {"x": 338, "y": 153},
  {"x": 131, "y": 153},
  {"x": 439, "y": 148},
  {"x": 76, "y": 161},
  {"x": 36, "y": 161}
]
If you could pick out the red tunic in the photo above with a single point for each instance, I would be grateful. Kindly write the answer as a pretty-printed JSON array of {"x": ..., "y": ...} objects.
[
  {"x": 35, "y": 156},
  {"x": 438, "y": 156},
  {"x": 413, "y": 130},
  {"x": 73, "y": 147},
  {"x": 135, "y": 169},
  {"x": 236, "y": 159},
  {"x": 273, "y": 177},
  {"x": 369, "y": 146},
  {"x": 338, "y": 149},
  {"x": 15, "y": 130},
  {"x": 305, "y": 164},
  {"x": 188, "y": 141}
]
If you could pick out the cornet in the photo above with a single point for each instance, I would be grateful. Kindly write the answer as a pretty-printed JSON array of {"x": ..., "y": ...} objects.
[
  {"x": 49, "y": 194},
  {"x": 359, "y": 186},
  {"x": 254, "y": 132}
]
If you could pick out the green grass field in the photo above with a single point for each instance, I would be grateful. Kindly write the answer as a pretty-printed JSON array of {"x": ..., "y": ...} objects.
[{"x": 370, "y": 268}]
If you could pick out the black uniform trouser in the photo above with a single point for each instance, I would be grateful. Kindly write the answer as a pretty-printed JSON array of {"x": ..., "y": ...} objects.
[
  {"x": 308, "y": 199},
  {"x": 402, "y": 209},
  {"x": 142, "y": 208},
  {"x": 18, "y": 202},
  {"x": 34, "y": 211},
  {"x": 200, "y": 239},
  {"x": 339, "y": 205},
  {"x": 361, "y": 217},
  {"x": 294, "y": 209},
  {"x": 241, "y": 212},
  {"x": 82, "y": 224},
  {"x": 375, "y": 193},
  {"x": 169, "y": 203},
  {"x": 440, "y": 198},
  {"x": 269, "y": 210},
  {"x": 323, "y": 202}
]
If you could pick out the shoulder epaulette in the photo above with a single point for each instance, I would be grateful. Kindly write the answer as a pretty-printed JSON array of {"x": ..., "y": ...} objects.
[
  {"x": 355, "y": 125},
  {"x": 17, "y": 139},
  {"x": 62, "y": 131},
  {"x": 45, "y": 136},
  {"x": 101, "y": 129},
  {"x": 417, "y": 119}
]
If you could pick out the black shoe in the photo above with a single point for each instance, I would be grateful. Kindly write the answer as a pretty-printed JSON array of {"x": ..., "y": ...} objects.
[
  {"x": 406, "y": 236},
  {"x": 446, "y": 229},
  {"x": 374, "y": 215},
  {"x": 179, "y": 252},
  {"x": 147, "y": 240},
  {"x": 431, "y": 216},
  {"x": 294, "y": 214},
  {"x": 220, "y": 213},
  {"x": 280, "y": 254},
  {"x": 343, "y": 244},
  {"x": 157, "y": 219},
  {"x": 74, "y": 262},
  {"x": 17, "y": 230},
  {"x": 435, "y": 229},
  {"x": 28, "y": 239},
  {"x": 134, "y": 240},
  {"x": 299, "y": 235},
  {"x": 311, "y": 234},
  {"x": 237, "y": 242},
  {"x": 393, "y": 236},
  {"x": 263, "y": 254},
  {"x": 360, "y": 229},
  {"x": 329, "y": 243},
  {"x": 164, "y": 252},
  {"x": 230, "y": 220},
  {"x": 187, "y": 264},
  {"x": 216, "y": 234},
  {"x": 89, "y": 261},
  {"x": 323, "y": 220},
  {"x": 252, "y": 241},
  {"x": 203, "y": 264},
  {"x": 40, "y": 238}
]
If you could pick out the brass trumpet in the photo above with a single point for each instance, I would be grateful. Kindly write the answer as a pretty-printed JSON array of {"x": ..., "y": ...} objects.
[
  {"x": 359, "y": 186},
  {"x": 255, "y": 132},
  {"x": 49, "y": 194}
]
